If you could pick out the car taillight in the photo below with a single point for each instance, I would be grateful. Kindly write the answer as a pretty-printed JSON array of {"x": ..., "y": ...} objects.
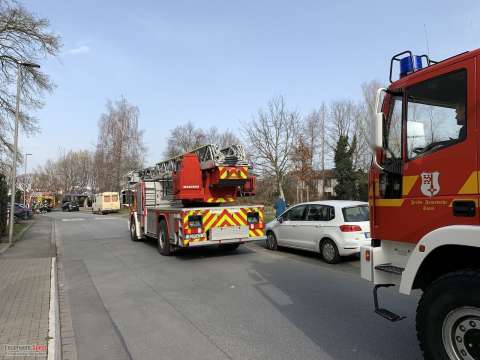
[{"x": 350, "y": 228}]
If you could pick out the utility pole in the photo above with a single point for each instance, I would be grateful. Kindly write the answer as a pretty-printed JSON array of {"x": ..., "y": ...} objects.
[{"x": 20, "y": 66}]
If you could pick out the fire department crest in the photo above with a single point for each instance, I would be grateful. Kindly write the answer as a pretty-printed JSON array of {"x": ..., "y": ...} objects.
[{"x": 430, "y": 186}]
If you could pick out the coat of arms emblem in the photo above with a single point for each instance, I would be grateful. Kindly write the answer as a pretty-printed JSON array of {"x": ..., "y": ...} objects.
[{"x": 430, "y": 186}]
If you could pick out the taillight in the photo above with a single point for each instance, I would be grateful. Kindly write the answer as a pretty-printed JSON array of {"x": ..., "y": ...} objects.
[
  {"x": 195, "y": 221},
  {"x": 350, "y": 228}
]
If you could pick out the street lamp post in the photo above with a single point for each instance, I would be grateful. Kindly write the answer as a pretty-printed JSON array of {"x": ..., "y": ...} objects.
[
  {"x": 20, "y": 65},
  {"x": 25, "y": 180}
]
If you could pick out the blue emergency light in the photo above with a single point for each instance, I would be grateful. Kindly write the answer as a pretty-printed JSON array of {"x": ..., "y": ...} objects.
[{"x": 410, "y": 64}]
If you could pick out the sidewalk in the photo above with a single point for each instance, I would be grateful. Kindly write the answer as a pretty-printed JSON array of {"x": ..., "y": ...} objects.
[{"x": 25, "y": 271}]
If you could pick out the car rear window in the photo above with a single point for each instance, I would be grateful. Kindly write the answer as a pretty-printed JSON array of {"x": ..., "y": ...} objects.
[{"x": 356, "y": 213}]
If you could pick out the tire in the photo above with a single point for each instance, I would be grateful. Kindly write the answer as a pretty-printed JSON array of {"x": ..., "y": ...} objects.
[
  {"x": 229, "y": 247},
  {"x": 271, "y": 241},
  {"x": 133, "y": 231},
  {"x": 448, "y": 317},
  {"x": 163, "y": 241},
  {"x": 330, "y": 252}
]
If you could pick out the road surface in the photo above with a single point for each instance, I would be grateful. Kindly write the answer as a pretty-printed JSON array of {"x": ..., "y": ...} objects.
[{"x": 129, "y": 302}]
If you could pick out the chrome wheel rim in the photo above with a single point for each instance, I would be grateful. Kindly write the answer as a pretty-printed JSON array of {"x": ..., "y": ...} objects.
[
  {"x": 328, "y": 251},
  {"x": 132, "y": 231},
  {"x": 461, "y": 333}
]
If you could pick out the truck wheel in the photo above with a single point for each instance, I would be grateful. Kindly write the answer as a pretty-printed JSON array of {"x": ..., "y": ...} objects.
[
  {"x": 330, "y": 252},
  {"x": 448, "y": 317},
  {"x": 271, "y": 241},
  {"x": 229, "y": 247},
  {"x": 163, "y": 240},
  {"x": 133, "y": 230}
]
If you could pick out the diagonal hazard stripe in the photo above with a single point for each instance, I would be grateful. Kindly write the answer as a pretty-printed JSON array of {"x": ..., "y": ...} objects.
[
  {"x": 239, "y": 219},
  {"x": 209, "y": 222}
]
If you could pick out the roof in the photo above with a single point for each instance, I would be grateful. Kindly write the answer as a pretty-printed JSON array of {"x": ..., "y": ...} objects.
[
  {"x": 439, "y": 65},
  {"x": 329, "y": 174},
  {"x": 339, "y": 203}
]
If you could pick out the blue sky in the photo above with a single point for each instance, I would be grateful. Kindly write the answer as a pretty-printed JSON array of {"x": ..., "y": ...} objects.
[{"x": 215, "y": 63}]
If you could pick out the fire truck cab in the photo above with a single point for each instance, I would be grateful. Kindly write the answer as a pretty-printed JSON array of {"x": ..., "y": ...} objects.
[{"x": 424, "y": 199}]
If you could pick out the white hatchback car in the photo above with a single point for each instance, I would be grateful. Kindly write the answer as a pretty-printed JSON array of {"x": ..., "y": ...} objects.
[{"x": 334, "y": 228}]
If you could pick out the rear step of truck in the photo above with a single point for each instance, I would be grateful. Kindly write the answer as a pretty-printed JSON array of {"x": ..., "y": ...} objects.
[
  {"x": 386, "y": 314},
  {"x": 389, "y": 268}
]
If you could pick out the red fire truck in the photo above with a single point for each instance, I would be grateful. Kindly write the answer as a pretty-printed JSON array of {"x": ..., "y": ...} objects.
[
  {"x": 182, "y": 202},
  {"x": 424, "y": 196}
]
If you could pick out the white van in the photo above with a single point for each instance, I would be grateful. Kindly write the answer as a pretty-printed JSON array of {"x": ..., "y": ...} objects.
[{"x": 106, "y": 202}]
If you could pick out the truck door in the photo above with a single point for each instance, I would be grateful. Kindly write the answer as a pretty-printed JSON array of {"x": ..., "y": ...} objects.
[{"x": 436, "y": 182}]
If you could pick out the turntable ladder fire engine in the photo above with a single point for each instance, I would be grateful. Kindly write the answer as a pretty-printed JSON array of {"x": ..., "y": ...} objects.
[{"x": 181, "y": 201}]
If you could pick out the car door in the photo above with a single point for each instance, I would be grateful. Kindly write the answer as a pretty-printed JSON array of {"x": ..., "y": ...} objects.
[
  {"x": 317, "y": 221},
  {"x": 289, "y": 226}
]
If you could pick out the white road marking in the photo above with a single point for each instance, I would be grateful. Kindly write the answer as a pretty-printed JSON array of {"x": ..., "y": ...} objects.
[
  {"x": 104, "y": 218},
  {"x": 53, "y": 315},
  {"x": 74, "y": 219}
]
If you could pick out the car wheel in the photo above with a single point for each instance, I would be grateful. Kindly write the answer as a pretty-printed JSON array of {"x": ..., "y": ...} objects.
[
  {"x": 271, "y": 241},
  {"x": 229, "y": 247},
  {"x": 448, "y": 317},
  {"x": 163, "y": 241},
  {"x": 330, "y": 252},
  {"x": 133, "y": 230}
]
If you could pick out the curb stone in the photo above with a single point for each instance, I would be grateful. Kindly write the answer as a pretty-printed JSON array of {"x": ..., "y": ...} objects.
[{"x": 68, "y": 347}]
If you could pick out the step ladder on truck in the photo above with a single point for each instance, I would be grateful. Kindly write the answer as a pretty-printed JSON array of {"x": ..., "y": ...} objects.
[
  {"x": 189, "y": 201},
  {"x": 424, "y": 197}
]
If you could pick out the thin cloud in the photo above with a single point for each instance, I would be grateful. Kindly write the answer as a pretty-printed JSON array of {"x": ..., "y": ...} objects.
[{"x": 83, "y": 49}]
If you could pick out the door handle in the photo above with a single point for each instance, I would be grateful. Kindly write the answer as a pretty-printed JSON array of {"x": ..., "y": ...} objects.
[{"x": 464, "y": 208}]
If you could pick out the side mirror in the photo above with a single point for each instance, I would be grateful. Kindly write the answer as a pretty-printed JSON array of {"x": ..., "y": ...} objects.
[
  {"x": 378, "y": 131},
  {"x": 377, "y": 127},
  {"x": 280, "y": 219}
]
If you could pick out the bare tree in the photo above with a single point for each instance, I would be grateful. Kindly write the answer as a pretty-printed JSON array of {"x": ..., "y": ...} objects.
[
  {"x": 23, "y": 37},
  {"x": 45, "y": 178},
  {"x": 184, "y": 138},
  {"x": 314, "y": 130},
  {"x": 120, "y": 146},
  {"x": 222, "y": 139},
  {"x": 270, "y": 138},
  {"x": 350, "y": 120},
  {"x": 187, "y": 137}
]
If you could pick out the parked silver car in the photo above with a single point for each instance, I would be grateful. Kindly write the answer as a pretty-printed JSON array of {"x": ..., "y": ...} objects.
[{"x": 333, "y": 228}]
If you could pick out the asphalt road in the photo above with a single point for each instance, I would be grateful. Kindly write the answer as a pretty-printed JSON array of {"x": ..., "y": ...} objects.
[{"x": 129, "y": 302}]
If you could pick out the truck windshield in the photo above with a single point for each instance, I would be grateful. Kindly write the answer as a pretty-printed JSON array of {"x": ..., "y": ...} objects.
[
  {"x": 436, "y": 114},
  {"x": 356, "y": 213}
]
